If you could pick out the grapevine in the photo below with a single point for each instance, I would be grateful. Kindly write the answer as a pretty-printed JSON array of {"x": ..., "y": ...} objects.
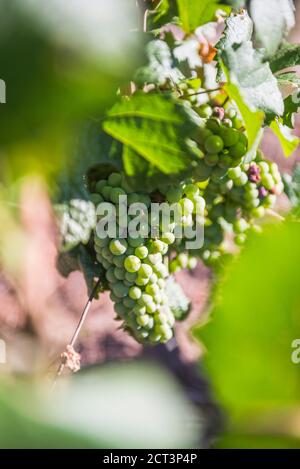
[{"x": 215, "y": 176}]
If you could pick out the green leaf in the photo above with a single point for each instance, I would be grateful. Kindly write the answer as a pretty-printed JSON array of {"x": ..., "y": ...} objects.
[
  {"x": 292, "y": 185},
  {"x": 272, "y": 20},
  {"x": 194, "y": 13},
  {"x": 253, "y": 120},
  {"x": 291, "y": 106},
  {"x": 156, "y": 127},
  {"x": 160, "y": 68},
  {"x": 253, "y": 325},
  {"x": 288, "y": 79},
  {"x": 288, "y": 142},
  {"x": 239, "y": 28},
  {"x": 80, "y": 258},
  {"x": 256, "y": 83},
  {"x": 287, "y": 56}
]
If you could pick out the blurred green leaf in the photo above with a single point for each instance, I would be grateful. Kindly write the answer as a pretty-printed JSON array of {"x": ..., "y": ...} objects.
[
  {"x": 157, "y": 127},
  {"x": 287, "y": 56},
  {"x": 193, "y": 14},
  {"x": 272, "y": 21},
  {"x": 252, "y": 119},
  {"x": 288, "y": 141},
  {"x": 86, "y": 411},
  {"x": 253, "y": 323},
  {"x": 292, "y": 185}
]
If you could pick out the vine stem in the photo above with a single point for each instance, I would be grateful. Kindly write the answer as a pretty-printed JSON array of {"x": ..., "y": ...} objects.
[
  {"x": 77, "y": 330},
  {"x": 205, "y": 91}
]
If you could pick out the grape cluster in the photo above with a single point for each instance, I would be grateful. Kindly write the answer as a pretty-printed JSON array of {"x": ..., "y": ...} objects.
[
  {"x": 137, "y": 267},
  {"x": 236, "y": 201},
  {"x": 221, "y": 139}
]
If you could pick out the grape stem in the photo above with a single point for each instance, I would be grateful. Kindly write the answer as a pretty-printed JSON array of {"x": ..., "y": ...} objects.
[
  {"x": 78, "y": 329},
  {"x": 205, "y": 91}
]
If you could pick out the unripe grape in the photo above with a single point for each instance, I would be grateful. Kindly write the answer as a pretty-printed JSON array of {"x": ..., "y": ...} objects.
[
  {"x": 141, "y": 252},
  {"x": 129, "y": 303},
  {"x": 110, "y": 275},
  {"x": 214, "y": 144},
  {"x": 211, "y": 159},
  {"x": 152, "y": 289},
  {"x": 135, "y": 293},
  {"x": 145, "y": 271},
  {"x": 191, "y": 190},
  {"x": 151, "y": 308},
  {"x": 132, "y": 264},
  {"x": 240, "y": 239},
  {"x": 240, "y": 225},
  {"x": 118, "y": 247},
  {"x": 99, "y": 186},
  {"x": 155, "y": 258},
  {"x": 241, "y": 180},
  {"x": 230, "y": 136},
  {"x": 115, "y": 179},
  {"x": 258, "y": 212},
  {"x": 143, "y": 320},
  {"x": 130, "y": 277},
  {"x": 187, "y": 206},
  {"x": 106, "y": 191},
  {"x": 238, "y": 150},
  {"x": 174, "y": 194},
  {"x": 119, "y": 273},
  {"x": 142, "y": 281},
  {"x": 234, "y": 173},
  {"x": 120, "y": 290}
]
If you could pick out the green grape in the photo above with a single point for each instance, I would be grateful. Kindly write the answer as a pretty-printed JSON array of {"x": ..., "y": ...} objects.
[
  {"x": 187, "y": 206},
  {"x": 141, "y": 252},
  {"x": 174, "y": 194},
  {"x": 116, "y": 193},
  {"x": 99, "y": 186},
  {"x": 130, "y": 277},
  {"x": 205, "y": 111},
  {"x": 191, "y": 190},
  {"x": 120, "y": 290},
  {"x": 118, "y": 247},
  {"x": 157, "y": 246},
  {"x": 119, "y": 273},
  {"x": 96, "y": 198},
  {"x": 132, "y": 264},
  {"x": 240, "y": 225},
  {"x": 115, "y": 179},
  {"x": 143, "y": 320},
  {"x": 142, "y": 281},
  {"x": 258, "y": 212},
  {"x": 238, "y": 150},
  {"x": 135, "y": 242},
  {"x": 211, "y": 159},
  {"x": 129, "y": 303},
  {"x": 240, "y": 239},
  {"x": 168, "y": 238},
  {"x": 155, "y": 258},
  {"x": 110, "y": 275},
  {"x": 135, "y": 292},
  {"x": 119, "y": 260},
  {"x": 214, "y": 144},
  {"x": 106, "y": 191},
  {"x": 152, "y": 289},
  {"x": 229, "y": 136},
  {"x": 145, "y": 271},
  {"x": 101, "y": 242},
  {"x": 241, "y": 180},
  {"x": 234, "y": 173}
]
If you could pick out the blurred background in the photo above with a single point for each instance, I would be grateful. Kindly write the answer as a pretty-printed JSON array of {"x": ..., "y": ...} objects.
[{"x": 62, "y": 63}]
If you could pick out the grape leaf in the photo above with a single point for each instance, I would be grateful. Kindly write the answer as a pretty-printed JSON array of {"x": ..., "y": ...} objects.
[
  {"x": 272, "y": 20},
  {"x": 157, "y": 127},
  {"x": 287, "y": 56},
  {"x": 80, "y": 258},
  {"x": 288, "y": 142},
  {"x": 256, "y": 83},
  {"x": 291, "y": 106},
  {"x": 252, "y": 119},
  {"x": 292, "y": 185},
  {"x": 288, "y": 79},
  {"x": 193, "y": 14},
  {"x": 160, "y": 68},
  {"x": 239, "y": 28}
]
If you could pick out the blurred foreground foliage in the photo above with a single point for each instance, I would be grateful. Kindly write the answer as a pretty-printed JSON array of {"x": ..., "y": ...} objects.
[
  {"x": 253, "y": 323},
  {"x": 61, "y": 63},
  {"x": 127, "y": 406}
]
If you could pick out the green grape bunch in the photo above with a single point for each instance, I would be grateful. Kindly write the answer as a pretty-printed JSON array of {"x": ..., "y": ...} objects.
[{"x": 137, "y": 267}]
